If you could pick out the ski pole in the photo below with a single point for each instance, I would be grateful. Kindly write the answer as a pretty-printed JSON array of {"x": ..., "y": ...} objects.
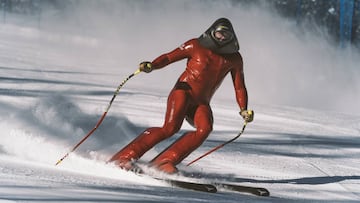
[
  {"x": 102, "y": 117},
  {"x": 221, "y": 145}
]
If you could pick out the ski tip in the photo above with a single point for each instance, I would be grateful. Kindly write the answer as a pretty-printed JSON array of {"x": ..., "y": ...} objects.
[
  {"x": 263, "y": 192},
  {"x": 210, "y": 188}
]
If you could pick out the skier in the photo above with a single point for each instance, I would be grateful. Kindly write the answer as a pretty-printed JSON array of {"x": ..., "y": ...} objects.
[{"x": 209, "y": 59}]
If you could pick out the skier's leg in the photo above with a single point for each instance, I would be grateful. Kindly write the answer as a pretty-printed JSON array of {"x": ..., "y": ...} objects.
[
  {"x": 173, "y": 155},
  {"x": 176, "y": 106}
]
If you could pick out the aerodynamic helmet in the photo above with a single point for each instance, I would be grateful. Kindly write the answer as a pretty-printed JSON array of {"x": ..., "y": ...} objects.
[{"x": 220, "y": 37}]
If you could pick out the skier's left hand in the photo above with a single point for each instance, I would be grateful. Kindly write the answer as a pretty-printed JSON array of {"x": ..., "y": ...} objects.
[{"x": 248, "y": 115}]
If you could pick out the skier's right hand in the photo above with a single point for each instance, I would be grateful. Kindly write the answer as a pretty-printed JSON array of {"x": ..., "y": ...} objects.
[
  {"x": 146, "y": 67},
  {"x": 248, "y": 115}
]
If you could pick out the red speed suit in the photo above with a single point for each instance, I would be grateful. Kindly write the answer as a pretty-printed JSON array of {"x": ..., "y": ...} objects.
[{"x": 188, "y": 99}]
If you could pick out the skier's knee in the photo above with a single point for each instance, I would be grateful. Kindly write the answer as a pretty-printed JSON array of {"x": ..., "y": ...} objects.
[
  {"x": 169, "y": 130},
  {"x": 204, "y": 131}
]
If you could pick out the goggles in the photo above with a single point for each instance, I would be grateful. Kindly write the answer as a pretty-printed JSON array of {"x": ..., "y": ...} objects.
[{"x": 224, "y": 36}]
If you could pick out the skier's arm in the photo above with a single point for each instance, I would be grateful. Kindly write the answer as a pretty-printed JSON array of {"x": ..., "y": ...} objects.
[
  {"x": 237, "y": 75},
  {"x": 177, "y": 54}
]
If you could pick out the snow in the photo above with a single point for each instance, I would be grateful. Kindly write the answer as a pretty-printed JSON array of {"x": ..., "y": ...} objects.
[{"x": 55, "y": 87}]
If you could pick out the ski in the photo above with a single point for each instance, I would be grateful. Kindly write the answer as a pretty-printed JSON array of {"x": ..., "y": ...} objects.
[
  {"x": 259, "y": 191},
  {"x": 203, "y": 187},
  {"x": 214, "y": 186},
  {"x": 211, "y": 187}
]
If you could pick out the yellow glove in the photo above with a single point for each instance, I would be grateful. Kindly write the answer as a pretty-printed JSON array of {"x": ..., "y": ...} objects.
[
  {"x": 248, "y": 115},
  {"x": 146, "y": 66}
]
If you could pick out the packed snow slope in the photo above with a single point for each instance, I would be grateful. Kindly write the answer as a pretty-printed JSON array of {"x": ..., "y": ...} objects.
[{"x": 58, "y": 78}]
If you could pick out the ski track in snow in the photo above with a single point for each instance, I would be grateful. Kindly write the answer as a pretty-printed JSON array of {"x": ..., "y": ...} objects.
[{"x": 50, "y": 100}]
